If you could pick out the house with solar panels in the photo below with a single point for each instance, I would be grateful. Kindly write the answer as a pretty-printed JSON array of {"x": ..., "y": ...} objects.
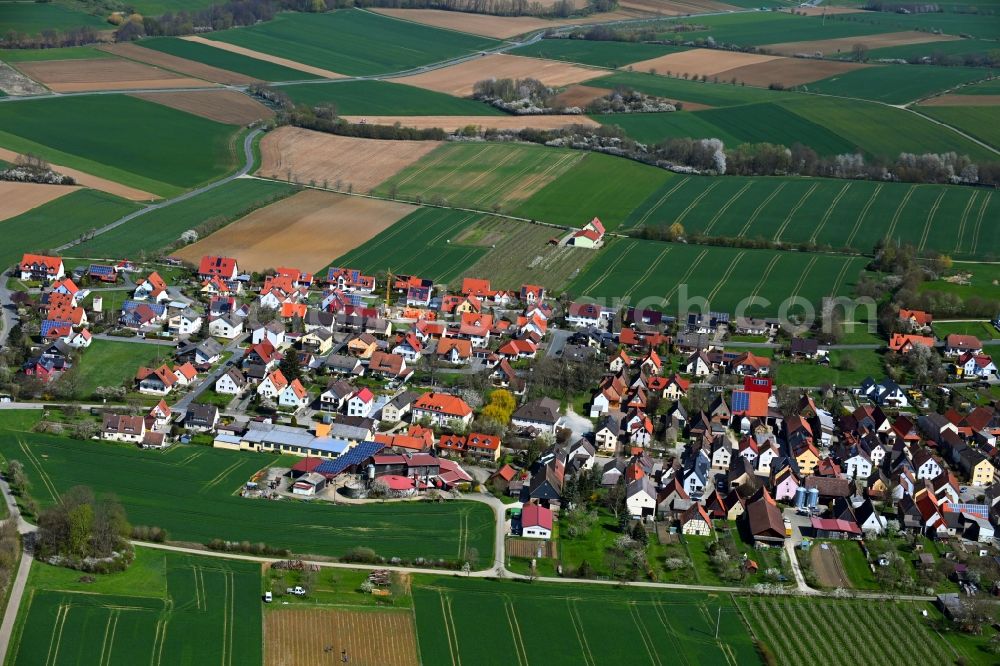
[{"x": 103, "y": 273}]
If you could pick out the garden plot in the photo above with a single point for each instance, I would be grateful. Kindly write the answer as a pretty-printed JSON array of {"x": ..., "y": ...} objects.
[{"x": 367, "y": 637}]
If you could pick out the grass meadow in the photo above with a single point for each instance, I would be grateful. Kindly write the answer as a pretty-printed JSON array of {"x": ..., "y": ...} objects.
[
  {"x": 60, "y": 53},
  {"x": 354, "y": 98},
  {"x": 166, "y": 153},
  {"x": 847, "y": 367},
  {"x": 32, "y": 18},
  {"x": 353, "y": 42},
  {"x": 496, "y": 622},
  {"x": 639, "y": 269},
  {"x": 184, "y": 610},
  {"x": 112, "y": 363},
  {"x": 190, "y": 492},
  {"x": 59, "y": 221},
  {"x": 161, "y": 227},
  {"x": 233, "y": 62},
  {"x": 977, "y": 121}
]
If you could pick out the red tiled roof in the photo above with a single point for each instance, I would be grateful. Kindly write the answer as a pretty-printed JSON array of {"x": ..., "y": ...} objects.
[
  {"x": 220, "y": 266},
  {"x": 443, "y": 403},
  {"x": 533, "y": 515}
]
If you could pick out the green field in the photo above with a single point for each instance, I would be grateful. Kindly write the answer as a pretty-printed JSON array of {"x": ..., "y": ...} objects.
[
  {"x": 977, "y": 121},
  {"x": 158, "y": 7},
  {"x": 385, "y": 98},
  {"x": 599, "y": 54},
  {"x": 896, "y": 84},
  {"x": 712, "y": 94},
  {"x": 776, "y": 123},
  {"x": 233, "y": 62},
  {"x": 863, "y": 363},
  {"x": 953, "y": 50},
  {"x": 665, "y": 273},
  {"x": 982, "y": 280},
  {"x": 99, "y": 134},
  {"x": 57, "y": 222},
  {"x": 654, "y": 128},
  {"x": 108, "y": 363},
  {"x": 31, "y": 18},
  {"x": 190, "y": 491},
  {"x": 482, "y": 176},
  {"x": 834, "y": 213},
  {"x": 495, "y": 622},
  {"x": 353, "y": 41},
  {"x": 163, "y": 226},
  {"x": 981, "y": 329},
  {"x": 770, "y": 619},
  {"x": 205, "y": 609},
  {"x": 991, "y": 87},
  {"x": 63, "y": 53},
  {"x": 597, "y": 186}
]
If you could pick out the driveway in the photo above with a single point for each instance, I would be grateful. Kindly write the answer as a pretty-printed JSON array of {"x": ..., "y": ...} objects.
[{"x": 580, "y": 425}]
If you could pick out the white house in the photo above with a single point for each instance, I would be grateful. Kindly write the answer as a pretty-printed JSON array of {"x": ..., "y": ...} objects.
[
  {"x": 536, "y": 522},
  {"x": 231, "y": 383},
  {"x": 273, "y": 332},
  {"x": 272, "y": 385},
  {"x": 640, "y": 498},
  {"x": 857, "y": 465},
  {"x": 294, "y": 395},
  {"x": 186, "y": 322},
  {"x": 228, "y": 328},
  {"x": 976, "y": 365},
  {"x": 360, "y": 404}
]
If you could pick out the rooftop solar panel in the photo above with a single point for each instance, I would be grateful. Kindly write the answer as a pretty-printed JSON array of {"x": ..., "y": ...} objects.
[
  {"x": 354, "y": 456},
  {"x": 48, "y": 325},
  {"x": 741, "y": 401},
  {"x": 101, "y": 270}
]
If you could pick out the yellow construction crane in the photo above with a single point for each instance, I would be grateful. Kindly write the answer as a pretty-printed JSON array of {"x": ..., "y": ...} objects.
[{"x": 388, "y": 286}]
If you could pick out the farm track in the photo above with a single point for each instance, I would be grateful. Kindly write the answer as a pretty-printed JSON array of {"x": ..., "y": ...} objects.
[
  {"x": 760, "y": 208},
  {"x": 899, "y": 212},
  {"x": 828, "y": 213},
  {"x": 863, "y": 214},
  {"x": 687, "y": 275},
  {"x": 655, "y": 207},
  {"x": 930, "y": 220},
  {"x": 793, "y": 211},
  {"x": 722, "y": 211},
  {"x": 979, "y": 221},
  {"x": 960, "y": 236}
]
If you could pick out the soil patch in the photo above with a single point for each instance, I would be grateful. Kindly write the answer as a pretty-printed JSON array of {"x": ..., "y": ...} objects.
[
  {"x": 182, "y": 65},
  {"x": 826, "y": 563},
  {"x": 830, "y": 47},
  {"x": 88, "y": 180},
  {"x": 103, "y": 74},
  {"x": 17, "y": 198},
  {"x": 14, "y": 83},
  {"x": 314, "y": 156},
  {"x": 309, "y": 229},
  {"x": 962, "y": 100},
  {"x": 788, "y": 71},
  {"x": 699, "y": 62},
  {"x": 224, "y": 106},
  {"x": 453, "y": 123},
  {"x": 266, "y": 57},
  {"x": 459, "y": 79},
  {"x": 580, "y": 96},
  {"x": 368, "y": 638}
]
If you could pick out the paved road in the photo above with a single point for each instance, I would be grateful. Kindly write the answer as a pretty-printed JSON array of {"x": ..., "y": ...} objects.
[
  {"x": 20, "y": 579},
  {"x": 134, "y": 340},
  {"x": 209, "y": 380},
  {"x": 8, "y": 313}
]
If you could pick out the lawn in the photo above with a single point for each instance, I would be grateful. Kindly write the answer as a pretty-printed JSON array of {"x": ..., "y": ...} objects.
[
  {"x": 60, "y": 221},
  {"x": 31, "y": 18},
  {"x": 482, "y": 176},
  {"x": 194, "y": 499},
  {"x": 353, "y": 42},
  {"x": 574, "y": 624},
  {"x": 597, "y": 186},
  {"x": 866, "y": 363},
  {"x": 113, "y": 363},
  {"x": 174, "y": 609},
  {"x": 599, "y": 54},
  {"x": 169, "y": 151},
  {"x": 981, "y": 329},
  {"x": 977, "y": 121},
  {"x": 982, "y": 280},
  {"x": 896, "y": 84},
  {"x": 161, "y": 227},
  {"x": 233, "y": 62},
  {"x": 158, "y": 7},
  {"x": 855, "y": 564},
  {"x": 355, "y": 98},
  {"x": 673, "y": 275}
]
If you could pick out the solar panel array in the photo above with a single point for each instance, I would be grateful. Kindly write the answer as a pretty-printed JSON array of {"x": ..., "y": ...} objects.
[
  {"x": 354, "y": 456},
  {"x": 741, "y": 401},
  {"x": 96, "y": 269},
  {"x": 48, "y": 325},
  {"x": 980, "y": 510}
]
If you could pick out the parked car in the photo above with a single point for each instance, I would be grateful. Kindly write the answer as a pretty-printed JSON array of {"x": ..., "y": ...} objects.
[
  {"x": 268, "y": 597},
  {"x": 298, "y": 591}
]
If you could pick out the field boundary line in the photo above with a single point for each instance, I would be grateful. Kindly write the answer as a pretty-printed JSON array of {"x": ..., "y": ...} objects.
[
  {"x": 687, "y": 274},
  {"x": 828, "y": 213},
  {"x": 581, "y": 635},
  {"x": 458, "y": 168},
  {"x": 652, "y": 267},
  {"x": 805, "y": 274},
  {"x": 109, "y": 633},
  {"x": 863, "y": 214},
  {"x": 899, "y": 212},
  {"x": 725, "y": 277},
  {"x": 42, "y": 474},
  {"x": 930, "y": 220},
  {"x": 610, "y": 270},
  {"x": 218, "y": 478},
  {"x": 496, "y": 165},
  {"x": 515, "y": 632},
  {"x": 655, "y": 207},
  {"x": 669, "y": 630},
  {"x": 452, "y": 633},
  {"x": 840, "y": 277},
  {"x": 763, "y": 278},
  {"x": 969, "y": 205},
  {"x": 156, "y": 656},
  {"x": 647, "y": 640},
  {"x": 52, "y": 655},
  {"x": 793, "y": 211},
  {"x": 722, "y": 211},
  {"x": 760, "y": 208},
  {"x": 513, "y": 178},
  {"x": 680, "y": 217},
  {"x": 503, "y": 182},
  {"x": 979, "y": 222},
  {"x": 442, "y": 150}
]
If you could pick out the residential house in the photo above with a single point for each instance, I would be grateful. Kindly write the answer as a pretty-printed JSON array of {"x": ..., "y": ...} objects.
[
  {"x": 454, "y": 350},
  {"x": 536, "y": 522},
  {"x": 640, "y": 498},
  {"x": 152, "y": 287},
  {"x": 341, "y": 364},
  {"x": 272, "y": 386},
  {"x": 695, "y": 521},
  {"x": 201, "y": 418},
  {"x": 390, "y": 366},
  {"x": 537, "y": 416},
  {"x": 361, "y": 403},
  {"x": 581, "y": 315},
  {"x": 293, "y": 395},
  {"x": 956, "y": 345},
  {"x": 155, "y": 381},
  {"x": 41, "y": 267},
  {"x": 224, "y": 268},
  {"x": 184, "y": 322},
  {"x": 762, "y": 519},
  {"x": 123, "y": 428},
  {"x": 232, "y": 382},
  {"x": 591, "y": 236},
  {"x": 441, "y": 409},
  {"x": 976, "y": 365},
  {"x": 228, "y": 327}
]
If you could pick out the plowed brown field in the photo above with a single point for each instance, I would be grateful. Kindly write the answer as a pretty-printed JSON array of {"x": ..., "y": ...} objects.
[
  {"x": 182, "y": 65},
  {"x": 580, "y": 96},
  {"x": 788, "y": 71},
  {"x": 250, "y": 53},
  {"x": 308, "y": 230},
  {"x": 459, "y": 79},
  {"x": 676, "y": 7},
  {"x": 499, "y": 27},
  {"x": 17, "y": 198},
  {"x": 698, "y": 62},
  {"x": 962, "y": 100},
  {"x": 829, "y": 47},
  {"x": 294, "y": 637},
  {"x": 103, "y": 74},
  {"x": 224, "y": 106},
  {"x": 314, "y": 156}
]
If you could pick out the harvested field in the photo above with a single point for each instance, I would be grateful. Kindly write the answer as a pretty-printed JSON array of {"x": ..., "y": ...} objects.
[
  {"x": 962, "y": 100},
  {"x": 675, "y": 7},
  {"x": 453, "y": 123},
  {"x": 788, "y": 71},
  {"x": 499, "y": 27},
  {"x": 103, "y": 74},
  {"x": 580, "y": 96},
  {"x": 370, "y": 638},
  {"x": 17, "y": 198},
  {"x": 699, "y": 62},
  {"x": 830, "y": 47},
  {"x": 93, "y": 182},
  {"x": 459, "y": 79},
  {"x": 826, "y": 563},
  {"x": 309, "y": 229},
  {"x": 266, "y": 57},
  {"x": 182, "y": 65},
  {"x": 224, "y": 106},
  {"x": 361, "y": 163}
]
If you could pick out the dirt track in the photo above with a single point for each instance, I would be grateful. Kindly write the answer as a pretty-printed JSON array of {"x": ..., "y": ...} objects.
[
  {"x": 250, "y": 53},
  {"x": 307, "y": 230},
  {"x": 182, "y": 65},
  {"x": 103, "y": 74},
  {"x": 362, "y": 163},
  {"x": 224, "y": 106},
  {"x": 826, "y": 563},
  {"x": 17, "y": 198},
  {"x": 459, "y": 79},
  {"x": 845, "y": 44},
  {"x": 88, "y": 180},
  {"x": 452, "y": 123}
]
